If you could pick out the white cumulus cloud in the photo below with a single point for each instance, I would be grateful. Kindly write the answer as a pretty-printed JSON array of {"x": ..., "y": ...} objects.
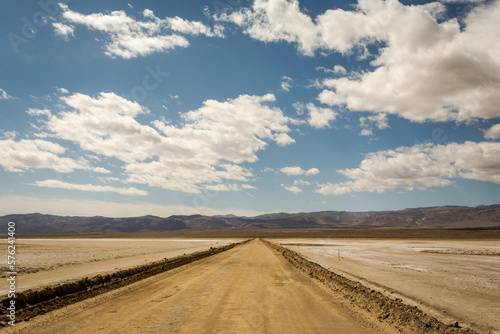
[
  {"x": 292, "y": 170},
  {"x": 320, "y": 117},
  {"x": 201, "y": 152},
  {"x": 493, "y": 132},
  {"x": 420, "y": 166},
  {"x": 26, "y": 154},
  {"x": 426, "y": 67},
  {"x": 129, "y": 38},
  {"x": 276, "y": 20},
  {"x": 299, "y": 171},
  {"x": 312, "y": 171},
  {"x": 428, "y": 70}
]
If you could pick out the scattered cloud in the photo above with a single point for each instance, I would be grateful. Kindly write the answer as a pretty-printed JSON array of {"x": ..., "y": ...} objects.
[
  {"x": 223, "y": 187},
  {"x": 299, "y": 107},
  {"x": 320, "y": 118},
  {"x": 19, "y": 156},
  {"x": 269, "y": 170},
  {"x": 63, "y": 30},
  {"x": 89, "y": 187},
  {"x": 286, "y": 84},
  {"x": 293, "y": 189},
  {"x": 493, "y": 132},
  {"x": 298, "y": 171},
  {"x": 39, "y": 112},
  {"x": 276, "y": 20},
  {"x": 301, "y": 183},
  {"x": 367, "y": 123},
  {"x": 109, "y": 179},
  {"x": 247, "y": 186},
  {"x": 312, "y": 171},
  {"x": 460, "y": 1},
  {"x": 420, "y": 166},
  {"x": 4, "y": 95},
  {"x": 8, "y": 134},
  {"x": 292, "y": 170},
  {"x": 337, "y": 69},
  {"x": 129, "y": 38}
]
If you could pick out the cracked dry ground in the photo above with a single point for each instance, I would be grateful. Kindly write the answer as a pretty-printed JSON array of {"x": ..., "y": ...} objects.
[{"x": 247, "y": 289}]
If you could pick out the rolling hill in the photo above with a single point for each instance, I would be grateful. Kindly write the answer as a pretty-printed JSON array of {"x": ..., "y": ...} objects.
[{"x": 444, "y": 217}]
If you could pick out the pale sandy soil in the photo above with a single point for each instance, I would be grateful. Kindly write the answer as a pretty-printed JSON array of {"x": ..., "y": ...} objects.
[
  {"x": 452, "y": 280},
  {"x": 247, "y": 289},
  {"x": 42, "y": 262}
]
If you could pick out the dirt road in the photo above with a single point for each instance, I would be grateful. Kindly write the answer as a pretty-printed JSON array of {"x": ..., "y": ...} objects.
[
  {"x": 45, "y": 262},
  {"x": 248, "y": 289}
]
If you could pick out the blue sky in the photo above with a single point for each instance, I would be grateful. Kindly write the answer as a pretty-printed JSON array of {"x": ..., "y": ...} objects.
[{"x": 126, "y": 108}]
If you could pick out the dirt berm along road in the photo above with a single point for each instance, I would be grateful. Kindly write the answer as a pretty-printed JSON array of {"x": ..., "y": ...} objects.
[{"x": 247, "y": 289}]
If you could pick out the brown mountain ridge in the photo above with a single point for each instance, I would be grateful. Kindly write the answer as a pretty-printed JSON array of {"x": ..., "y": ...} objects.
[{"x": 443, "y": 217}]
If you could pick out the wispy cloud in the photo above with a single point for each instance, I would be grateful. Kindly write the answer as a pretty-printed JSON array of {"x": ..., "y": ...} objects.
[
  {"x": 4, "y": 95},
  {"x": 367, "y": 123},
  {"x": 293, "y": 189},
  {"x": 301, "y": 183},
  {"x": 79, "y": 207},
  {"x": 89, "y": 187},
  {"x": 26, "y": 154},
  {"x": 286, "y": 83},
  {"x": 63, "y": 30}
]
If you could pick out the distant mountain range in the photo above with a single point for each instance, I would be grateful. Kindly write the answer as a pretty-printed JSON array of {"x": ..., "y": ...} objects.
[{"x": 444, "y": 217}]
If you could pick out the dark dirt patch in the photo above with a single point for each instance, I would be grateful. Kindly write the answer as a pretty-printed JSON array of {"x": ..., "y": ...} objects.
[{"x": 485, "y": 252}]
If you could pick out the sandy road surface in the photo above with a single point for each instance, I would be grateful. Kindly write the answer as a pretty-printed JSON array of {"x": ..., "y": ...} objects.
[
  {"x": 248, "y": 289},
  {"x": 45, "y": 262}
]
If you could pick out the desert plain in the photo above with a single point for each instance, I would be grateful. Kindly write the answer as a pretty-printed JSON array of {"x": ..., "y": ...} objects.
[
  {"x": 454, "y": 280},
  {"x": 251, "y": 288}
]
